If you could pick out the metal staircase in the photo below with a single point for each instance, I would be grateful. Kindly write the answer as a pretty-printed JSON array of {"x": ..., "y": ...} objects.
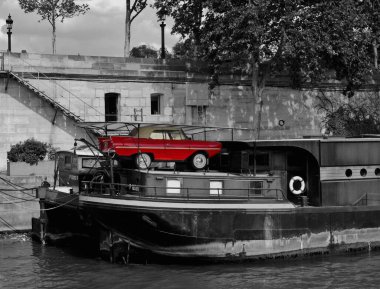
[
  {"x": 44, "y": 96},
  {"x": 52, "y": 91}
]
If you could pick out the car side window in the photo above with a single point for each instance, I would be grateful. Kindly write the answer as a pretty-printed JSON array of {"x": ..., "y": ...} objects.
[
  {"x": 159, "y": 135},
  {"x": 176, "y": 135}
]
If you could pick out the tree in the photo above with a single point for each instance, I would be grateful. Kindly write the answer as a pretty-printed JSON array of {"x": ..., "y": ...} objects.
[
  {"x": 53, "y": 10},
  {"x": 184, "y": 50},
  {"x": 257, "y": 39},
  {"x": 131, "y": 12},
  {"x": 144, "y": 51},
  {"x": 360, "y": 115},
  {"x": 371, "y": 14},
  {"x": 187, "y": 15}
]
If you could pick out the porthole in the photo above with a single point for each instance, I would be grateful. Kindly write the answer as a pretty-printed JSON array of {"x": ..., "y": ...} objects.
[
  {"x": 363, "y": 172},
  {"x": 348, "y": 173},
  {"x": 377, "y": 172}
]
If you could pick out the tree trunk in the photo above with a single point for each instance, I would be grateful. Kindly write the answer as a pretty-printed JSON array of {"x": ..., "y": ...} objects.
[
  {"x": 54, "y": 38},
  {"x": 258, "y": 85},
  {"x": 375, "y": 47},
  {"x": 127, "y": 42}
]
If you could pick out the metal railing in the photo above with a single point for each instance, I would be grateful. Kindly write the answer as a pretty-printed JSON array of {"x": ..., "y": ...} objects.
[
  {"x": 58, "y": 93},
  {"x": 117, "y": 190},
  {"x": 362, "y": 201}
]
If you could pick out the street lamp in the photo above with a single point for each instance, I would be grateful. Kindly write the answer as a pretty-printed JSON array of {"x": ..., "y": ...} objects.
[
  {"x": 163, "y": 54},
  {"x": 9, "y": 22}
]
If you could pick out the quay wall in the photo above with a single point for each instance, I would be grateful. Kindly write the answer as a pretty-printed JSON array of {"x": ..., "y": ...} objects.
[
  {"x": 24, "y": 115},
  {"x": 18, "y": 207},
  {"x": 81, "y": 83},
  {"x": 180, "y": 89}
]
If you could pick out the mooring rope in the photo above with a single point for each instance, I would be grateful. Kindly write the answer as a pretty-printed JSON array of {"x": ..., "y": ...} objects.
[
  {"x": 7, "y": 224},
  {"x": 41, "y": 210}
]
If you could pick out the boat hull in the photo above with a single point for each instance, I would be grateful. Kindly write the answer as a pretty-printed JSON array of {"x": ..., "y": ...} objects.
[{"x": 222, "y": 234}]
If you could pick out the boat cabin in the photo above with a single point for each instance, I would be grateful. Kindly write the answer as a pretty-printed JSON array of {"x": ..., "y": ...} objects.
[
  {"x": 206, "y": 185},
  {"x": 75, "y": 166}
]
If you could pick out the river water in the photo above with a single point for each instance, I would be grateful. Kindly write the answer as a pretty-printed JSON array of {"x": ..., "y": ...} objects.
[{"x": 27, "y": 264}]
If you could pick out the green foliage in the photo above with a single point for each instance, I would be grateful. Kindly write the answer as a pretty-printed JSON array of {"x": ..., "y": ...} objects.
[
  {"x": 144, "y": 51},
  {"x": 30, "y": 151}
]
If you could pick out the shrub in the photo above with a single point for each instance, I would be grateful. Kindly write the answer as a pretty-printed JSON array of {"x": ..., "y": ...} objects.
[{"x": 30, "y": 151}]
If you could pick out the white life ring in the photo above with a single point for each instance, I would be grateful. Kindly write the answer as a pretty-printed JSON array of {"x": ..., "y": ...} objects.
[{"x": 291, "y": 185}]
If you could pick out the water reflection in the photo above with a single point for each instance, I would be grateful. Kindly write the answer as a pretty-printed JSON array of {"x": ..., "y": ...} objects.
[{"x": 27, "y": 264}]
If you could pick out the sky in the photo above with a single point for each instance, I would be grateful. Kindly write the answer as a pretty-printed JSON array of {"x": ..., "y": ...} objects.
[{"x": 100, "y": 32}]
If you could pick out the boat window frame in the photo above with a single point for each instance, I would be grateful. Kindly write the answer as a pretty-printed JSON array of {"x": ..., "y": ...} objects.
[
  {"x": 219, "y": 191},
  {"x": 67, "y": 162},
  {"x": 253, "y": 191},
  {"x": 96, "y": 164},
  {"x": 170, "y": 189}
]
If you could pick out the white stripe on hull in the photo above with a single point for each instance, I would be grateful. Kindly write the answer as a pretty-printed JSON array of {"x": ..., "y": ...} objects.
[
  {"x": 184, "y": 205},
  {"x": 339, "y": 173}
]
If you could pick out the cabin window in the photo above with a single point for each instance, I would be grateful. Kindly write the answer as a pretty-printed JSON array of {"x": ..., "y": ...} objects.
[
  {"x": 155, "y": 103},
  {"x": 68, "y": 162},
  {"x": 262, "y": 161},
  {"x": 90, "y": 163},
  {"x": 173, "y": 186},
  {"x": 377, "y": 172},
  {"x": 216, "y": 187},
  {"x": 255, "y": 187},
  {"x": 111, "y": 106}
]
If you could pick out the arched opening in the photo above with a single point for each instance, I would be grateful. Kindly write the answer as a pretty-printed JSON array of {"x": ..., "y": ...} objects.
[{"x": 111, "y": 106}]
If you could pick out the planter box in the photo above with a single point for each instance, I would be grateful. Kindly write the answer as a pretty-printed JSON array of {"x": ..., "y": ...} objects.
[{"x": 43, "y": 168}]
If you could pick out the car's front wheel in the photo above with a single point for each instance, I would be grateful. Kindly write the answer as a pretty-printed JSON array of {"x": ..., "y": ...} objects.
[
  {"x": 198, "y": 161},
  {"x": 143, "y": 161}
]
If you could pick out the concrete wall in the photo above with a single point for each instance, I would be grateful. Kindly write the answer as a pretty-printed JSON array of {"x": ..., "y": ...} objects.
[
  {"x": 16, "y": 211},
  {"x": 24, "y": 115},
  {"x": 81, "y": 82}
]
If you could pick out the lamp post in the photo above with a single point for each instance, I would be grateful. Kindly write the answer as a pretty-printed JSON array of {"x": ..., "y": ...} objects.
[
  {"x": 9, "y": 22},
  {"x": 163, "y": 54}
]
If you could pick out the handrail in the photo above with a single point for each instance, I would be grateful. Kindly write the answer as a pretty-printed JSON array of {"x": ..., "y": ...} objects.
[
  {"x": 48, "y": 97},
  {"x": 361, "y": 200},
  {"x": 141, "y": 191},
  {"x": 97, "y": 112}
]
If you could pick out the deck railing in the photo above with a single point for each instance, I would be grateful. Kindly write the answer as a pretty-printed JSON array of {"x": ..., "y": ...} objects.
[{"x": 117, "y": 190}]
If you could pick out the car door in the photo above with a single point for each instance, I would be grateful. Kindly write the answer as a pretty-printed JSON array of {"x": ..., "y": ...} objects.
[
  {"x": 156, "y": 144},
  {"x": 177, "y": 146}
]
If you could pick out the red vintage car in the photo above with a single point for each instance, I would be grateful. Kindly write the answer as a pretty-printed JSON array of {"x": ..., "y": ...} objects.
[{"x": 169, "y": 144}]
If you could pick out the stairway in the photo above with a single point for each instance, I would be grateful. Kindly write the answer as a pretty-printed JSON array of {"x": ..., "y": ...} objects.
[{"x": 41, "y": 94}]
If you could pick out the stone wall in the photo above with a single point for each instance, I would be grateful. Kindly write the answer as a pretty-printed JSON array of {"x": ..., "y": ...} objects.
[
  {"x": 25, "y": 115},
  {"x": 18, "y": 207},
  {"x": 80, "y": 83}
]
